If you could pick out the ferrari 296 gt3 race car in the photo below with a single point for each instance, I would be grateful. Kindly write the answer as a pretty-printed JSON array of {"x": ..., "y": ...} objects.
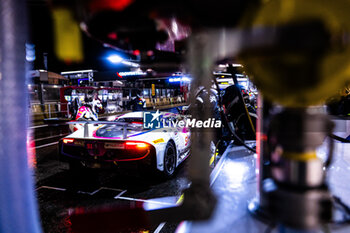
[{"x": 125, "y": 142}]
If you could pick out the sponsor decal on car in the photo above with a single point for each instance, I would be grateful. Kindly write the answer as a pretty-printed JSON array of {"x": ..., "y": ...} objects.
[
  {"x": 79, "y": 142},
  {"x": 114, "y": 145},
  {"x": 160, "y": 140},
  {"x": 186, "y": 140}
]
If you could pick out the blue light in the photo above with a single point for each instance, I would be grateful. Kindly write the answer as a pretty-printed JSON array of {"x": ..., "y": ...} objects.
[
  {"x": 115, "y": 59},
  {"x": 82, "y": 79},
  {"x": 179, "y": 79}
]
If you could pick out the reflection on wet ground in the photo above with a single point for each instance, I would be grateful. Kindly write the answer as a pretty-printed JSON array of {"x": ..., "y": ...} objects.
[
  {"x": 236, "y": 186},
  {"x": 59, "y": 190}
]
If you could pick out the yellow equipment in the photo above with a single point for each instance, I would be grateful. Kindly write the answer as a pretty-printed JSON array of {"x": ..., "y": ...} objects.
[{"x": 310, "y": 62}]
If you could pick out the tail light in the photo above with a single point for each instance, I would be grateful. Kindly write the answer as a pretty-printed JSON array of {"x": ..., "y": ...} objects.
[
  {"x": 137, "y": 122},
  {"x": 68, "y": 140},
  {"x": 135, "y": 145}
]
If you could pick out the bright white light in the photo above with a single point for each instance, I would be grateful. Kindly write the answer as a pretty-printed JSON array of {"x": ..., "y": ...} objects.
[
  {"x": 186, "y": 79},
  {"x": 236, "y": 65},
  {"x": 129, "y": 63},
  {"x": 223, "y": 65},
  {"x": 174, "y": 27},
  {"x": 221, "y": 73},
  {"x": 75, "y": 72},
  {"x": 131, "y": 73},
  {"x": 175, "y": 79},
  {"x": 233, "y": 65},
  {"x": 236, "y": 173},
  {"x": 111, "y": 118},
  {"x": 115, "y": 59},
  {"x": 179, "y": 79}
]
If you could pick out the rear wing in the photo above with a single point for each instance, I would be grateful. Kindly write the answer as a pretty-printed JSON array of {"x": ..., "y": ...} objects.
[{"x": 126, "y": 126}]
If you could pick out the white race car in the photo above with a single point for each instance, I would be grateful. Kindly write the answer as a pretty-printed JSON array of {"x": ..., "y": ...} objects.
[{"x": 125, "y": 143}]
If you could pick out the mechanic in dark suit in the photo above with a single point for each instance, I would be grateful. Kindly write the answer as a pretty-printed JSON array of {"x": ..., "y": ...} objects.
[{"x": 137, "y": 103}]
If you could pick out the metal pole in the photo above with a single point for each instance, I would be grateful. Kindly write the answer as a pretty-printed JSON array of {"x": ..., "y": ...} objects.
[
  {"x": 201, "y": 62},
  {"x": 240, "y": 96},
  {"x": 67, "y": 109},
  {"x": 258, "y": 205},
  {"x": 18, "y": 208},
  {"x": 205, "y": 48}
]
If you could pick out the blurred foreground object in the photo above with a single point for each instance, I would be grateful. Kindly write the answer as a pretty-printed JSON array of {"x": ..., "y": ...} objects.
[
  {"x": 18, "y": 208},
  {"x": 68, "y": 41},
  {"x": 298, "y": 55},
  {"x": 301, "y": 51}
]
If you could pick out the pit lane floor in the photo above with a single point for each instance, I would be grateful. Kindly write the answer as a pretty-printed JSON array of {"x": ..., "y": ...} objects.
[{"x": 236, "y": 186}]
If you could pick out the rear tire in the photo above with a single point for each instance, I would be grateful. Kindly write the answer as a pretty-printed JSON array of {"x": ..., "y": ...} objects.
[{"x": 169, "y": 160}]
